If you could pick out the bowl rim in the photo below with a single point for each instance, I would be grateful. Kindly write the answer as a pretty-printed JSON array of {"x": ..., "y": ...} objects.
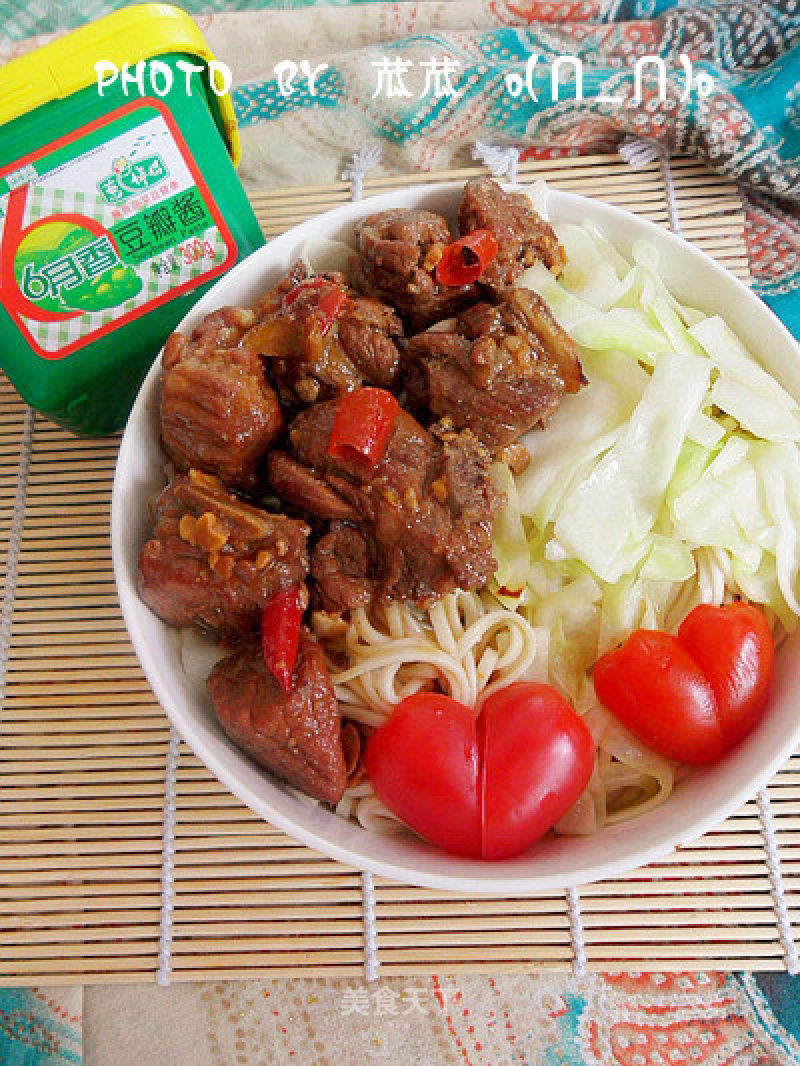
[{"x": 478, "y": 882}]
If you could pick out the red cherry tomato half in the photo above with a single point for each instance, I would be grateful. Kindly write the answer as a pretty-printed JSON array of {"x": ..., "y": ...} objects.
[
  {"x": 537, "y": 758},
  {"x": 362, "y": 425},
  {"x": 734, "y": 647},
  {"x": 423, "y": 764},
  {"x": 657, "y": 690},
  {"x": 485, "y": 786},
  {"x": 693, "y": 696},
  {"x": 464, "y": 260},
  {"x": 280, "y": 634}
]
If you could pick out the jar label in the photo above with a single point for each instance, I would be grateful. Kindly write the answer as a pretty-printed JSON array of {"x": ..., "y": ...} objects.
[{"x": 104, "y": 225}]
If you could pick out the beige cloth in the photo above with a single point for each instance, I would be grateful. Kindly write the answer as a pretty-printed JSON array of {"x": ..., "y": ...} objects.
[
  {"x": 463, "y": 1020},
  {"x": 276, "y": 154},
  {"x": 252, "y": 42},
  {"x": 309, "y": 1022}
]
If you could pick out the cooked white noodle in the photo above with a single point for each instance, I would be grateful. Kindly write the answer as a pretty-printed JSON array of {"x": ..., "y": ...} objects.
[{"x": 465, "y": 645}]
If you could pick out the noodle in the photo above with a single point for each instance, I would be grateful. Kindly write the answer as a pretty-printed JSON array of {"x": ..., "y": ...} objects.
[{"x": 466, "y": 644}]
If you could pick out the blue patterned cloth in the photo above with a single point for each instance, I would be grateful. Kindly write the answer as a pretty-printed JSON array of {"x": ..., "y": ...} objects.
[
  {"x": 781, "y": 996},
  {"x": 40, "y": 1027}
]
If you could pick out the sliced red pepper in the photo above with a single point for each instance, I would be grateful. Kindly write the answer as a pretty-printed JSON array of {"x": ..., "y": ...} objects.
[
  {"x": 280, "y": 633},
  {"x": 328, "y": 304},
  {"x": 304, "y": 286},
  {"x": 464, "y": 260},
  {"x": 363, "y": 424}
]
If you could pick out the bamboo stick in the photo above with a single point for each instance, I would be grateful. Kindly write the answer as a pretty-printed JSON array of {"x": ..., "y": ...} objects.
[
  {"x": 63, "y": 910},
  {"x": 16, "y": 733}
]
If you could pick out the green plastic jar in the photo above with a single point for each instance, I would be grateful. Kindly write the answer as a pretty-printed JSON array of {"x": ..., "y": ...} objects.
[{"x": 117, "y": 209}]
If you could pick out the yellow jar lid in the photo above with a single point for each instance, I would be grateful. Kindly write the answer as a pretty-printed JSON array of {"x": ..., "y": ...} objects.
[{"x": 66, "y": 65}]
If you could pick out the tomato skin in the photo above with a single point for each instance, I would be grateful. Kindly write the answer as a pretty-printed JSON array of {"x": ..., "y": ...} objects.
[
  {"x": 693, "y": 696},
  {"x": 658, "y": 691},
  {"x": 538, "y": 757},
  {"x": 734, "y": 647},
  {"x": 423, "y": 764}
]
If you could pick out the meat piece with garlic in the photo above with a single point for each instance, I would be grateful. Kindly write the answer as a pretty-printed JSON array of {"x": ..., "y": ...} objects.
[
  {"x": 215, "y": 561},
  {"x": 218, "y": 411}
]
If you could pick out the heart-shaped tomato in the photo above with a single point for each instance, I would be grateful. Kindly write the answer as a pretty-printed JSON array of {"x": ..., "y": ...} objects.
[
  {"x": 486, "y": 786},
  {"x": 691, "y": 697}
]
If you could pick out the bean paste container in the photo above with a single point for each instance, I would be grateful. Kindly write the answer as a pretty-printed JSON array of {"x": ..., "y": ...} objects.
[{"x": 117, "y": 210}]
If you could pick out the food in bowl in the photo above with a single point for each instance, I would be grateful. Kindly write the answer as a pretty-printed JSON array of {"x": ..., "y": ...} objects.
[{"x": 390, "y": 630}]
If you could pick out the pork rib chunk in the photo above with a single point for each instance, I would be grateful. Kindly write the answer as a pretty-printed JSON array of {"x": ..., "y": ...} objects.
[
  {"x": 500, "y": 372},
  {"x": 214, "y": 561},
  {"x": 419, "y": 534},
  {"x": 296, "y": 735},
  {"x": 312, "y": 352},
  {"x": 522, "y": 236},
  {"x": 218, "y": 412},
  {"x": 398, "y": 253}
]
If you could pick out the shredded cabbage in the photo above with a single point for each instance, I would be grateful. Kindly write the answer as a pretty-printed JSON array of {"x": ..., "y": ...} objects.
[
  {"x": 672, "y": 478},
  {"x": 606, "y": 520}
]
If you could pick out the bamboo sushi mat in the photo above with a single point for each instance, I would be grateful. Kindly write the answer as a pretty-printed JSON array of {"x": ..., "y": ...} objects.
[{"x": 86, "y": 757}]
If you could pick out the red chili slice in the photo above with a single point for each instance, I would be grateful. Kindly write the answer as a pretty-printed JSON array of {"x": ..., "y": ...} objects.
[
  {"x": 304, "y": 286},
  {"x": 328, "y": 304},
  {"x": 464, "y": 260},
  {"x": 280, "y": 633},
  {"x": 363, "y": 424}
]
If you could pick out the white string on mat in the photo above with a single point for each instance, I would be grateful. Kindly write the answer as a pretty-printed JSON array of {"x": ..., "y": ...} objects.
[
  {"x": 576, "y": 933},
  {"x": 776, "y": 882},
  {"x": 501, "y": 160},
  {"x": 167, "y": 862},
  {"x": 363, "y": 161},
  {"x": 14, "y": 536},
  {"x": 371, "y": 960},
  {"x": 640, "y": 153}
]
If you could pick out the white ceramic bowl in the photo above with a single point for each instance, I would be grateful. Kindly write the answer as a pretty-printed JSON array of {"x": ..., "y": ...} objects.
[{"x": 698, "y": 803}]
